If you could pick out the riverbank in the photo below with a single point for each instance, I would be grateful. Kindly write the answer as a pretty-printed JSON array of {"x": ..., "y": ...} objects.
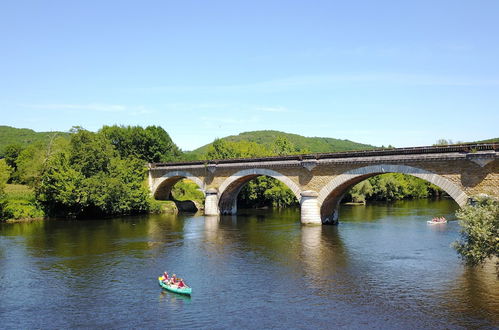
[
  {"x": 176, "y": 206},
  {"x": 21, "y": 206}
]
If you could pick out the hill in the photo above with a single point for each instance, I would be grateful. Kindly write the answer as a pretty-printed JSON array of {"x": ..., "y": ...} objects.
[
  {"x": 308, "y": 144},
  {"x": 22, "y": 136},
  {"x": 488, "y": 141}
]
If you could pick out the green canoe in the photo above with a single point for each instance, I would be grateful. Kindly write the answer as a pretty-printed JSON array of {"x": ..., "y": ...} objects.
[{"x": 173, "y": 288}]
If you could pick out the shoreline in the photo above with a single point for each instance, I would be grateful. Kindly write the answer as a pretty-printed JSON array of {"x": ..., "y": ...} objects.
[{"x": 24, "y": 220}]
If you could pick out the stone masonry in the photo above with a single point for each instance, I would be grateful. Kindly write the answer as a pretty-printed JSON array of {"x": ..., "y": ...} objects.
[{"x": 319, "y": 181}]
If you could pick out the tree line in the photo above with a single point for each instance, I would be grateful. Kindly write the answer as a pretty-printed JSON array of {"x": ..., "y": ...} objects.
[
  {"x": 102, "y": 173},
  {"x": 88, "y": 174}
]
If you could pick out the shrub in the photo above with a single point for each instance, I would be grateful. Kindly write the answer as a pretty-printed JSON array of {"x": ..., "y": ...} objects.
[{"x": 480, "y": 231}]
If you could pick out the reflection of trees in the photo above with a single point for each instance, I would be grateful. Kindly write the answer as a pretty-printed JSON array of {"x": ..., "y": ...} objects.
[
  {"x": 75, "y": 245},
  {"x": 475, "y": 292},
  {"x": 165, "y": 228}
]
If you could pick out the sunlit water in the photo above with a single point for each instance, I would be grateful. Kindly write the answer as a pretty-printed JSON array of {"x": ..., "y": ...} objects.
[{"x": 382, "y": 267}]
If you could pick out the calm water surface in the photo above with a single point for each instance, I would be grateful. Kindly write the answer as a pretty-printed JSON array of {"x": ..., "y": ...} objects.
[{"x": 382, "y": 267}]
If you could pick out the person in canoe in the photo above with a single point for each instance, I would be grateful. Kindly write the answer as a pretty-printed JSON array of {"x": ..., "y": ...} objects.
[
  {"x": 172, "y": 279},
  {"x": 181, "y": 283},
  {"x": 165, "y": 277}
]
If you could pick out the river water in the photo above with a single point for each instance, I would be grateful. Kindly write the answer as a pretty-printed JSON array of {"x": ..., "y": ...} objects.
[{"x": 381, "y": 267}]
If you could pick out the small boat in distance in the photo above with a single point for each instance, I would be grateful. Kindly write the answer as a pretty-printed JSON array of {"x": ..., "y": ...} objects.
[
  {"x": 173, "y": 286},
  {"x": 436, "y": 221}
]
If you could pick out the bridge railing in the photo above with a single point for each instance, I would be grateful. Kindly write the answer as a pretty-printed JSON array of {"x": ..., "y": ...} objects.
[{"x": 459, "y": 148}]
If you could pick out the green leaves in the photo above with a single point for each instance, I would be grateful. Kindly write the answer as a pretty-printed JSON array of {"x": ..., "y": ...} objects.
[
  {"x": 4, "y": 176},
  {"x": 223, "y": 149},
  {"x": 266, "y": 191},
  {"x": 89, "y": 178},
  {"x": 392, "y": 186},
  {"x": 282, "y": 146},
  {"x": 151, "y": 144},
  {"x": 479, "y": 231}
]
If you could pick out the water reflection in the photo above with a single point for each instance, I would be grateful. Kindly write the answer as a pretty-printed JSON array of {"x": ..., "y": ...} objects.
[
  {"x": 475, "y": 293},
  {"x": 381, "y": 267},
  {"x": 173, "y": 299}
]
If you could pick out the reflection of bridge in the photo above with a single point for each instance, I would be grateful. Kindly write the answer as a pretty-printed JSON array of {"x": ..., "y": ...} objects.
[{"x": 319, "y": 181}]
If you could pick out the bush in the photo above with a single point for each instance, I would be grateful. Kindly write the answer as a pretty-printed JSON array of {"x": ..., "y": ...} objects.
[
  {"x": 480, "y": 231},
  {"x": 186, "y": 190},
  {"x": 20, "y": 209}
]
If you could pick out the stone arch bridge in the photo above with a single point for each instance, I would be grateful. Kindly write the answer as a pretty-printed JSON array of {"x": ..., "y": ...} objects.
[{"x": 319, "y": 181}]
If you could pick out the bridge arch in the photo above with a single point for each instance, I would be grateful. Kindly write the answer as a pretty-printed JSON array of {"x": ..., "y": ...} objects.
[
  {"x": 230, "y": 188},
  {"x": 163, "y": 185},
  {"x": 331, "y": 194}
]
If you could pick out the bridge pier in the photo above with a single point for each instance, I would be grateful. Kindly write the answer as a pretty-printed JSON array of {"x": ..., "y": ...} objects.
[
  {"x": 309, "y": 207},
  {"x": 211, "y": 202}
]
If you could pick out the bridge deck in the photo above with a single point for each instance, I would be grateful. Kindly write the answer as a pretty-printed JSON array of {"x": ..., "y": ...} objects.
[{"x": 460, "y": 149}]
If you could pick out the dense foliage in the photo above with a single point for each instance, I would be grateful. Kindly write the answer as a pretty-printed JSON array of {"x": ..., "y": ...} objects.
[
  {"x": 88, "y": 174},
  {"x": 186, "y": 190},
  {"x": 90, "y": 178},
  {"x": 4, "y": 176},
  {"x": 392, "y": 186},
  {"x": 266, "y": 191},
  {"x": 223, "y": 149},
  {"x": 479, "y": 231},
  {"x": 152, "y": 144}
]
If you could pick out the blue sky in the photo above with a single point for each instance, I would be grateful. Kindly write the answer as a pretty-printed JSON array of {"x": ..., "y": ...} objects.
[{"x": 404, "y": 73}]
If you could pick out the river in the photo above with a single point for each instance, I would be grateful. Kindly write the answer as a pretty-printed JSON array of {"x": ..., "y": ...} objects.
[{"x": 381, "y": 267}]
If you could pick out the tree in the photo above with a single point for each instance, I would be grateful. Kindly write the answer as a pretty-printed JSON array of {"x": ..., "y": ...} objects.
[
  {"x": 266, "y": 191},
  {"x": 152, "y": 144},
  {"x": 223, "y": 149},
  {"x": 11, "y": 153},
  {"x": 90, "y": 153},
  {"x": 282, "y": 146},
  {"x": 444, "y": 142},
  {"x": 5, "y": 171},
  {"x": 392, "y": 186},
  {"x": 89, "y": 178},
  {"x": 480, "y": 232},
  {"x": 361, "y": 191},
  {"x": 33, "y": 158}
]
